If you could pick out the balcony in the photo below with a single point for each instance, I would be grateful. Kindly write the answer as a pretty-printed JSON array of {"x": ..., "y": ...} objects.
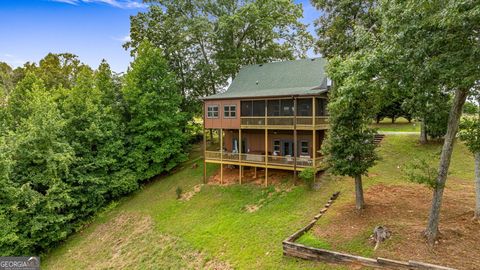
[
  {"x": 284, "y": 122},
  {"x": 262, "y": 160}
]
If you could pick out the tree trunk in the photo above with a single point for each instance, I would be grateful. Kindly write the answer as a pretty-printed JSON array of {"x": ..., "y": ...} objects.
[
  {"x": 393, "y": 120},
  {"x": 360, "y": 203},
  {"x": 477, "y": 186},
  {"x": 453, "y": 120},
  {"x": 423, "y": 132}
]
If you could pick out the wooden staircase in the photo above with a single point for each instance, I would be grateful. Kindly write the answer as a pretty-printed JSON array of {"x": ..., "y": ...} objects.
[{"x": 378, "y": 138}]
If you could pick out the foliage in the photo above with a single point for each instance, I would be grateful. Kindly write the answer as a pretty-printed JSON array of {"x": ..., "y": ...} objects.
[
  {"x": 206, "y": 42},
  {"x": 422, "y": 171},
  {"x": 72, "y": 140},
  {"x": 336, "y": 26},
  {"x": 308, "y": 175},
  {"x": 436, "y": 116},
  {"x": 470, "y": 133},
  {"x": 155, "y": 121},
  {"x": 349, "y": 146},
  {"x": 470, "y": 108}
]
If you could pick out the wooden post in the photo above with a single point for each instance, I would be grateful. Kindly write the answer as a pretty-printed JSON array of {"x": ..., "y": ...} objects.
[
  {"x": 221, "y": 155},
  {"x": 314, "y": 135},
  {"x": 266, "y": 157},
  {"x": 266, "y": 144},
  {"x": 255, "y": 170},
  {"x": 295, "y": 140},
  {"x": 204, "y": 148},
  {"x": 240, "y": 155}
]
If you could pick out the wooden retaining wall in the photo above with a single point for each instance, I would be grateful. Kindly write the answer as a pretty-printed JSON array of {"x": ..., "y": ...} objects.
[{"x": 292, "y": 249}]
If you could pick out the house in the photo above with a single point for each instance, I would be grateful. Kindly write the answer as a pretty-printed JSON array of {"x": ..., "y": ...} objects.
[{"x": 272, "y": 116}]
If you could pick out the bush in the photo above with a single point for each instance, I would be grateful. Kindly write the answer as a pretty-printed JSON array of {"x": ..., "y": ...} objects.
[
  {"x": 179, "y": 191},
  {"x": 308, "y": 175}
]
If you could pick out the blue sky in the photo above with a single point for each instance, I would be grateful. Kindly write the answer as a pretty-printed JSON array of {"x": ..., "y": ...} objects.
[{"x": 91, "y": 29}]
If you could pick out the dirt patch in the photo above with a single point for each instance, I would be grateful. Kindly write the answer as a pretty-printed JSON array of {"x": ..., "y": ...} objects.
[
  {"x": 404, "y": 210},
  {"x": 129, "y": 241},
  {"x": 188, "y": 195},
  {"x": 231, "y": 176}
]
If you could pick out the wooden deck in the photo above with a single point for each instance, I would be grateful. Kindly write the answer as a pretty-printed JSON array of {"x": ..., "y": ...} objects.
[{"x": 263, "y": 161}]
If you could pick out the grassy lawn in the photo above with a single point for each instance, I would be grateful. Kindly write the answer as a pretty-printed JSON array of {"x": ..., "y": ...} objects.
[
  {"x": 151, "y": 229},
  {"x": 403, "y": 207},
  {"x": 401, "y": 125}
]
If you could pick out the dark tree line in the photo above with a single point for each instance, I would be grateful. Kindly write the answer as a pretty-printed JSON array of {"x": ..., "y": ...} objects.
[{"x": 73, "y": 139}]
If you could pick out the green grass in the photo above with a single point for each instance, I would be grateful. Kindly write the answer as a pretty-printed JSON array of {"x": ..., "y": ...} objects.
[
  {"x": 401, "y": 125},
  {"x": 214, "y": 222},
  {"x": 311, "y": 240}
]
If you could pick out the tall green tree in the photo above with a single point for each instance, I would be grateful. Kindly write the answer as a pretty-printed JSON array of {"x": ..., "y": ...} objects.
[
  {"x": 41, "y": 157},
  {"x": 435, "y": 45},
  {"x": 349, "y": 146},
  {"x": 206, "y": 42},
  {"x": 155, "y": 119}
]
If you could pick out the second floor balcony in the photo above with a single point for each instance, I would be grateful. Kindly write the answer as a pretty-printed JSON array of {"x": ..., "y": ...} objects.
[{"x": 280, "y": 113}]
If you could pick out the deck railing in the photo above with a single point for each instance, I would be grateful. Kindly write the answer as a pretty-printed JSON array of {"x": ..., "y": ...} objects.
[
  {"x": 260, "y": 159},
  {"x": 285, "y": 121}
]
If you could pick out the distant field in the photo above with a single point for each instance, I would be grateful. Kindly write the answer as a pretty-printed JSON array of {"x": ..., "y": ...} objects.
[
  {"x": 401, "y": 125},
  {"x": 235, "y": 226}
]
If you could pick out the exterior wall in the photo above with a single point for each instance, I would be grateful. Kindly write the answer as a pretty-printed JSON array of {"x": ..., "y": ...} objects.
[
  {"x": 255, "y": 139},
  {"x": 221, "y": 121}
]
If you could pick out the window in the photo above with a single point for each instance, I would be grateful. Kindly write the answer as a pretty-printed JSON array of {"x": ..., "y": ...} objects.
[
  {"x": 276, "y": 147},
  {"x": 212, "y": 111},
  {"x": 304, "y": 148},
  {"x": 230, "y": 111}
]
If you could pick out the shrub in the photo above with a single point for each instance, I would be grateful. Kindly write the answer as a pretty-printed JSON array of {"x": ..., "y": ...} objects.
[
  {"x": 179, "y": 191},
  {"x": 308, "y": 175}
]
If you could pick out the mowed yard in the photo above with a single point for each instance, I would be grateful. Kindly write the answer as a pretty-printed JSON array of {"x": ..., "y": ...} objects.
[{"x": 212, "y": 227}]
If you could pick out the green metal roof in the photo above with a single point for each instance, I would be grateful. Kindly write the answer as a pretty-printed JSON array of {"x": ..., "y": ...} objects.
[{"x": 298, "y": 77}]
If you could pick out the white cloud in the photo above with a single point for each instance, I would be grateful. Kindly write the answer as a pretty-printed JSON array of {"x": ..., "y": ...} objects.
[
  {"x": 123, "y": 39},
  {"x": 126, "y": 4},
  {"x": 12, "y": 60}
]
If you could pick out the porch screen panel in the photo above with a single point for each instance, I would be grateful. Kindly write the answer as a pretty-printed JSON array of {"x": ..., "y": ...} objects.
[
  {"x": 304, "y": 107},
  {"x": 247, "y": 108},
  {"x": 286, "y": 108},
  {"x": 273, "y": 107},
  {"x": 259, "y": 108}
]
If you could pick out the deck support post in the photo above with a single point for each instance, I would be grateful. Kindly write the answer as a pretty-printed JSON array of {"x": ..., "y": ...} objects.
[
  {"x": 240, "y": 174},
  {"x": 204, "y": 148},
  {"x": 314, "y": 135},
  {"x": 221, "y": 155},
  {"x": 266, "y": 144},
  {"x": 295, "y": 140},
  {"x": 255, "y": 171},
  {"x": 266, "y": 157}
]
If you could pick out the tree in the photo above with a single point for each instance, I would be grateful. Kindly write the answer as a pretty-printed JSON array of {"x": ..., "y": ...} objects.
[
  {"x": 206, "y": 42},
  {"x": 432, "y": 47},
  {"x": 336, "y": 27},
  {"x": 155, "y": 118},
  {"x": 470, "y": 134},
  {"x": 349, "y": 146},
  {"x": 41, "y": 157}
]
